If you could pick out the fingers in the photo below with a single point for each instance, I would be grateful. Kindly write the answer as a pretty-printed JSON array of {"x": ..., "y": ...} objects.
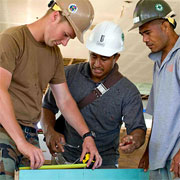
[
  {"x": 83, "y": 154},
  {"x": 90, "y": 160},
  {"x": 94, "y": 159},
  {"x": 98, "y": 161},
  {"x": 59, "y": 147},
  {"x": 127, "y": 144},
  {"x": 172, "y": 166},
  {"x": 36, "y": 159},
  {"x": 143, "y": 165},
  {"x": 90, "y": 147},
  {"x": 175, "y": 167},
  {"x": 55, "y": 143},
  {"x": 126, "y": 140},
  {"x": 178, "y": 170},
  {"x": 34, "y": 154},
  {"x": 144, "y": 162},
  {"x": 128, "y": 148}
]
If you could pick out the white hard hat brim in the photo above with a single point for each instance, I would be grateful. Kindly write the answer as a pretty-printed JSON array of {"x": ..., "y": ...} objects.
[{"x": 103, "y": 51}]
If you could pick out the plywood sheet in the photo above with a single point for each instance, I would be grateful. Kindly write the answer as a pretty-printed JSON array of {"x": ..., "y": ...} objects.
[{"x": 84, "y": 174}]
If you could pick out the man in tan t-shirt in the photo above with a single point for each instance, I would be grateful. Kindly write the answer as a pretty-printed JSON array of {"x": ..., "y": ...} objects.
[{"x": 29, "y": 60}]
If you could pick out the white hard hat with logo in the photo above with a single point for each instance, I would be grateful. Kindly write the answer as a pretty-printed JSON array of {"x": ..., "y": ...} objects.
[{"x": 106, "y": 39}]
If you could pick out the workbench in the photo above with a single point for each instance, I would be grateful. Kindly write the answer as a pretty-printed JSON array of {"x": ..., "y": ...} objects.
[{"x": 84, "y": 174}]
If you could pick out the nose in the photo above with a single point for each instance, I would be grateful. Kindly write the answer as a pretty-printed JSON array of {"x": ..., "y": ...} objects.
[
  {"x": 64, "y": 42},
  {"x": 145, "y": 38},
  {"x": 97, "y": 62}
]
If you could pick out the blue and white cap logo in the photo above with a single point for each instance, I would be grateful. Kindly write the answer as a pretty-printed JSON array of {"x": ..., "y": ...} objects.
[{"x": 72, "y": 8}]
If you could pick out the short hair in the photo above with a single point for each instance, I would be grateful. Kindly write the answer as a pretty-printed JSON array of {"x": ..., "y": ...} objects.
[
  {"x": 49, "y": 11},
  {"x": 162, "y": 20}
]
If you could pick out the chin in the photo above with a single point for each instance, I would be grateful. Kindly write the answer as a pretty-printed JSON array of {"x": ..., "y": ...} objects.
[{"x": 155, "y": 50}]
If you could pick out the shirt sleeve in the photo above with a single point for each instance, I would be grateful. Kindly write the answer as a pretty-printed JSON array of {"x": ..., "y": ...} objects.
[
  {"x": 133, "y": 112},
  {"x": 9, "y": 52},
  {"x": 49, "y": 102},
  {"x": 150, "y": 104},
  {"x": 59, "y": 74}
]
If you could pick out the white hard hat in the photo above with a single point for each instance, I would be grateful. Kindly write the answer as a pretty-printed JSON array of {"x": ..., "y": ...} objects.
[{"x": 106, "y": 39}]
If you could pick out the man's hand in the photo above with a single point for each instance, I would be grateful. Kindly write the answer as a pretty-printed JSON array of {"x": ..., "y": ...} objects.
[
  {"x": 34, "y": 154},
  {"x": 175, "y": 166},
  {"x": 55, "y": 141},
  {"x": 144, "y": 161},
  {"x": 90, "y": 147},
  {"x": 133, "y": 141},
  {"x": 127, "y": 144}
]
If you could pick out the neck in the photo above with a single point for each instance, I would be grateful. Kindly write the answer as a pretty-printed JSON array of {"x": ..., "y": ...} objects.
[
  {"x": 37, "y": 30},
  {"x": 172, "y": 41}
]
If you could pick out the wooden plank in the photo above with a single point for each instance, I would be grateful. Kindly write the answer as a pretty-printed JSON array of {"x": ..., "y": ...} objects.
[
  {"x": 16, "y": 175},
  {"x": 84, "y": 174}
]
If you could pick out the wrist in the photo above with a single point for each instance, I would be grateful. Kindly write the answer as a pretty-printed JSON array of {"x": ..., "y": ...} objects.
[
  {"x": 89, "y": 134},
  {"x": 48, "y": 129},
  {"x": 20, "y": 142}
]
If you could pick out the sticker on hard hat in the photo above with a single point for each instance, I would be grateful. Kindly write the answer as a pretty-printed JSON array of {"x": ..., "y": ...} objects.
[
  {"x": 102, "y": 38},
  {"x": 159, "y": 7},
  {"x": 122, "y": 37},
  {"x": 72, "y": 8},
  {"x": 136, "y": 20}
]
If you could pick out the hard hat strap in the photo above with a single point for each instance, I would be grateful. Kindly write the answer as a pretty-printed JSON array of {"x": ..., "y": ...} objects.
[
  {"x": 171, "y": 14},
  {"x": 56, "y": 7},
  {"x": 170, "y": 19},
  {"x": 52, "y": 4},
  {"x": 65, "y": 13}
]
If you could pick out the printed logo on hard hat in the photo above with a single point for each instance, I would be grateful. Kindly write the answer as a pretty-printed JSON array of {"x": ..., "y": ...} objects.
[
  {"x": 122, "y": 37},
  {"x": 159, "y": 7},
  {"x": 101, "y": 41},
  {"x": 72, "y": 8},
  {"x": 102, "y": 38}
]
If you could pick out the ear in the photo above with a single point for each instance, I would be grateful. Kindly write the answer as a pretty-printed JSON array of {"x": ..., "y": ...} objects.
[
  {"x": 117, "y": 57},
  {"x": 166, "y": 26},
  {"x": 55, "y": 16}
]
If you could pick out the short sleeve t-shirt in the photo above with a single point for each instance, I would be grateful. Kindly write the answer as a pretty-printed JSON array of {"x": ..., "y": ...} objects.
[{"x": 33, "y": 65}]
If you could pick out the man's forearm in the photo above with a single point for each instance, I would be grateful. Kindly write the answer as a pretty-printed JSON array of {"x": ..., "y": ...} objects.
[
  {"x": 47, "y": 120},
  {"x": 7, "y": 118},
  {"x": 74, "y": 117},
  {"x": 68, "y": 108}
]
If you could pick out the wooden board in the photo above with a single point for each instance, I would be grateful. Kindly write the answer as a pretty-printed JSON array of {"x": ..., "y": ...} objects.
[{"x": 84, "y": 174}]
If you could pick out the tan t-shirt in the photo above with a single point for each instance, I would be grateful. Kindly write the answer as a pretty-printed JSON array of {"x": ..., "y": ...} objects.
[{"x": 33, "y": 65}]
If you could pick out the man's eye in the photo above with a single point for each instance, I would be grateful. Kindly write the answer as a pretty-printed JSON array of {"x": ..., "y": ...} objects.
[
  {"x": 148, "y": 32},
  {"x": 104, "y": 59},
  {"x": 92, "y": 56}
]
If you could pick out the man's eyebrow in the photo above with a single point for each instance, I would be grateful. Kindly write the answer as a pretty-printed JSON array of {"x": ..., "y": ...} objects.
[
  {"x": 70, "y": 35},
  {"x": 144, "y": 32}
]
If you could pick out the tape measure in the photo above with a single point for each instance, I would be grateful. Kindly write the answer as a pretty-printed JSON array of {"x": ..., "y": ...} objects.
[{"x": 86, "y": 158}]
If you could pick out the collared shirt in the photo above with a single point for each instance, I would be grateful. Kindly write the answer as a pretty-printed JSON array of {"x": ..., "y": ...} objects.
[
  {"x": 104, "y": 115},
  {"x": 164, "y": 106}
]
